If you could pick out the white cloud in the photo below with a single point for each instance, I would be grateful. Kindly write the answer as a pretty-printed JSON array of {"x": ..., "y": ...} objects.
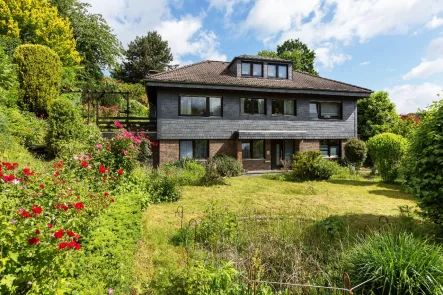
[
  {"x": 186, "y": 36},
  {"x": 425, "y": 69},
  {"x": 434, "y": 23},
  {"x": 226, "y": 5},
  {"x": 435, "y": 48},
  {"x": 329, "y": 57},
  {"x": 408, "y": 98},
  {"x": 365, "y": 63}
]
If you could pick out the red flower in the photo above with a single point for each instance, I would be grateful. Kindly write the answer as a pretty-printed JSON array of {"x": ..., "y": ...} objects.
[
  {"x": 56, "y": 173},
  {"x": 59, "y": 234},
  {"x": 26, "y": 214},
  {"x": 72, "y": 244},
  {"x": 102, "y": 169},
  {"x": 112, "y": 200},
  {"x": 78, "y": 246},
  {"x": 27, "y": 171},
  {"x": 120, "y": 172},
  {"x": 64, "y": 207},
  {"x": 42, "y": 186},
  {"x": 79, "y": 206},
  {"x": 77, "y": 237},
  {"x": 71, "y": 233},
  {"x": 33, "y": 241},
  {"x": 49, "y": 225},
  {"x": 104, "y": 179},
  {"x": 84, "y": 164},
  {"x": 37, "y": 232},
  {"x": 37, "y": 210},
  {"x": 10, "y": 167},
  {"x": 106, "y": 194},
  {"x": 62, "y": 245}
]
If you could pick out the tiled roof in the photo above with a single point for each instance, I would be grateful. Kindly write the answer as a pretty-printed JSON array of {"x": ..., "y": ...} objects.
[
  {"x": 258, "y": 57},
  {"x": 217, "y": 73}
]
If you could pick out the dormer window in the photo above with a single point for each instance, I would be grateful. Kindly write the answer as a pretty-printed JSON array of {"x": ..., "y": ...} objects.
[
  {"x": 277, "y": 71},
  {"x": 252, "y": 69}
]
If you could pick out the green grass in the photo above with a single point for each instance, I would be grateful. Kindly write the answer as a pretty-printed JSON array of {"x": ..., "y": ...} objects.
[{"x": 360, "y": 202}]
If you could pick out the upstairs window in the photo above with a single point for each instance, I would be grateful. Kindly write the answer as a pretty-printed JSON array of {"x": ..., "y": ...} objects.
[
  {"x": 252, "y": 69},
  {"x": 325, "y": 110},
  {"x": 284, "y": 107},
  {"x": 252, "y": 106},
  {"x": 277, "y": 71},
  {"x": 200, "y": 106},
  {"x": 330, "y": 148}
]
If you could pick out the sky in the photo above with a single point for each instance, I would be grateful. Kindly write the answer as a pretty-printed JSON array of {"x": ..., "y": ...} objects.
[{"x": 392, "y": 45}]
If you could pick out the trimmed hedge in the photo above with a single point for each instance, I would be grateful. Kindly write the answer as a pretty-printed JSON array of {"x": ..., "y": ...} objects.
[{"x": 39, "y": 73}]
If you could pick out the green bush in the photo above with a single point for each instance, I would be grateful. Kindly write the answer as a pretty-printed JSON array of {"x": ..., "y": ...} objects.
[
  {"x": 228, "y": 166},
  {"x": 424, "y": 165},
  {"x": 181, "y": 163},
  {"x": 162, "y": 188},
  {"x": 355, "y": 153},
  {"x": 387, "y": 151},
  {"x": 312, "y": 166},
  {"x": 187, "y": 172},
  {"x": 8, "y": 81},
  {"x": 65, "y": 123},
  {"x": 39, "y": 73},
  {"x": 212, "y": 176},
  {"x": 396, "y": 264}
]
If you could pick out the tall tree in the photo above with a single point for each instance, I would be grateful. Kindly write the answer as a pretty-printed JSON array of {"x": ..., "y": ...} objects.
[
  {"x": 296, "y": 51},
  {"x": 144, "y": 54},
  {"x": 37, "y": 22},
  {"x": 98, "y": 46},
  {"x": 376, "y": 114}
]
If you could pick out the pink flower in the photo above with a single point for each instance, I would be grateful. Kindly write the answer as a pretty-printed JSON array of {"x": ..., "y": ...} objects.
[
  {"x": 108, "y": 148},
  {"x": 99, "y": 146},
  {"x": 118, "y": 124},
  {"x": 125, "y": 152}
]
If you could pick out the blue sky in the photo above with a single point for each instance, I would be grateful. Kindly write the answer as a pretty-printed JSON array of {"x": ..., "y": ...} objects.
[{"x": 393, "y": 45}]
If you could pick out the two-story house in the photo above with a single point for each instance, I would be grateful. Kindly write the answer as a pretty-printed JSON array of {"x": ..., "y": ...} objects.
[{"x": 255, "y": 109}]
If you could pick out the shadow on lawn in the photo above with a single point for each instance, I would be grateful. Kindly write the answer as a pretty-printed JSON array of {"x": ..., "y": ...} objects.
[
  {"x": 393, "y": 194},
  {"x": 365, "y": 183}
]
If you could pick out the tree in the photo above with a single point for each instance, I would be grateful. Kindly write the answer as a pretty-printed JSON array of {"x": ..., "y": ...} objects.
[
  {"x": 98, "y": 46},
  {"x": 376, "y": 114},
  {"x": 407, "y": 125},
  {"x": 296, "y": 51},
  {"x": 145, "y": 53},
  {"x": 37, "y": 22},
  {"x": 39, "y": 73},
  {"x": 355, "y": 153}
]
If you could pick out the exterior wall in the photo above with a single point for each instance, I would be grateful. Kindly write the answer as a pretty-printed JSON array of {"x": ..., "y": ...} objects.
[
  {"x": 256, "y": 164},
  {"x": 168, "y": 151},
  {"x": 309, "y": 145},
  {"x": 223, "y": 147},
  {"x": 172, "y": 126}
]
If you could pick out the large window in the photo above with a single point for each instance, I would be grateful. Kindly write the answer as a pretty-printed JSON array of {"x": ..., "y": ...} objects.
[
  {"x": 252, "y": 69},
  {"x": 330, "y": 148},
  {"x": 325, "y": 110},
  {"x": 253, "y": 106},
  {"x": 253, "y": 149},
  {"x": 194, "y": 149},
  {"x": 277, "y": 71},
  {"x": 200, "y": 106},
  {"x": 284, "y": 107}
]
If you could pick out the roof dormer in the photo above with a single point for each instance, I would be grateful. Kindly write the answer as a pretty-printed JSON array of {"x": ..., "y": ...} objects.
[{"x": 254, "y": 66}]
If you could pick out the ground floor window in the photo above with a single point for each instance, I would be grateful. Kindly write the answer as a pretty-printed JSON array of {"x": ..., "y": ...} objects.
[
  {"x": 253, "y": 149},
  {"x": 330, "y": 148},
  {"x": 195, "y": 149}
]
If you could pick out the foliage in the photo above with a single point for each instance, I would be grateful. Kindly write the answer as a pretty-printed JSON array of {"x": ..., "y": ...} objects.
[
  {"x": 228, "y": 166},
  {"x": 424, "y": 171},
  {"x": 144, "y": 54},
  {"x": 39, "y": 73},
  {"x": 37, "y": 22},
  {"x": 407, "y": 125},
  {"x": 387, "y": 150},
  {"x": 355, "y": 153},
  {"x": 376, "y": 114},
  {"x": 9, "y": 45},
  {"x": 185, "y": 172},
  {"x": 65, "y": 123},
  {"x": 396, "y": 264},
  {"x": 162, "y": 188},
  {"x": 312, "y": 166},
  {"x": 99, "y": 48},
  {"x": 8, "y": 81},
  {"x": 296, "y": 51},
  {"x": 333, "y": 227},
  {"x": 212, "y": 175}
]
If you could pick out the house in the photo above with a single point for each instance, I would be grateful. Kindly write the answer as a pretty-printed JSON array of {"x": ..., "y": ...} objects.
[{"x": 255, "y": 109}]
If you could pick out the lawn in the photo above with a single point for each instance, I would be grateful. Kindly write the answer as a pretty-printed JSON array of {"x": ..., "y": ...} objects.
[{"x": 360, "y": 202}]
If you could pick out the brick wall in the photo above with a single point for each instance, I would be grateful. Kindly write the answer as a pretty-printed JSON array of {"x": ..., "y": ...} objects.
[
  {"x": 255, "y": 164},
  {"x": 309, "y": 145},
  {"x": 169, "y": 150},
  {"x": 223, "y": 147}
]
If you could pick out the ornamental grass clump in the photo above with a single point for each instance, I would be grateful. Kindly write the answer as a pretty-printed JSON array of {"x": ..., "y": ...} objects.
[{"x": 396, "y": 264}]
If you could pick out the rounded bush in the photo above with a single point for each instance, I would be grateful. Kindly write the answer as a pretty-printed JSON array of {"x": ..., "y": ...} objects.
[
  {"x": 355, "y": 152},
  {"x": 228, "y": 166},
  {"x": 39, "y": 73},
  {"x": 312, "y": 166},
  {"x": 396, "y": 264},
  {"x": 387, "y": 151}
]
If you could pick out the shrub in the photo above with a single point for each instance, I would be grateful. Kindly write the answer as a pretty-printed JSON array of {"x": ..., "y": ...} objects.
[
  {"x": 424, "y": 166},
  {"x": 355, "y": 153},
  {"x": 39, "y": 73},
  {"x": 212, "y": 176},
  {"x": 312, "y": 166},
  {"x": 396, "y": 264},
  {"x": 65, "y": 123},
  {"x": 181, "y": 163},
  {"x": 192, "y": 172},
  {"x": 162, "y": 188},
  {"x": 8, "y": 81},
  {"x": 387, "y": 151},
  {"x": 228, "y": 166}
]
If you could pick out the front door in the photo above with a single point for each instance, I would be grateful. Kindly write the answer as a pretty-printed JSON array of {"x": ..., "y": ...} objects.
[{"x": 281, "y": 152}]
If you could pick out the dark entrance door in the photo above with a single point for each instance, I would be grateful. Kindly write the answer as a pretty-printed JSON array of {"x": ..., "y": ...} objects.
[{"x": 281, "y": 152}]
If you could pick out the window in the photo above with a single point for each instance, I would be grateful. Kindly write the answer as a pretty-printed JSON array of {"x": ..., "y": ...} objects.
[
  {"x": 195, "y": 149},
  {"x": 325, "y": 110},
  {"x": 252, "y": 69},
  {"x": 200, "y": 106},
  {"x": 284, "y": 107},
  {"x": 330, "y": 148},
  {"x": 253, "y": 149},
  {"x": 278, "y": 71},
  {"x": 252, "y": 106}
]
